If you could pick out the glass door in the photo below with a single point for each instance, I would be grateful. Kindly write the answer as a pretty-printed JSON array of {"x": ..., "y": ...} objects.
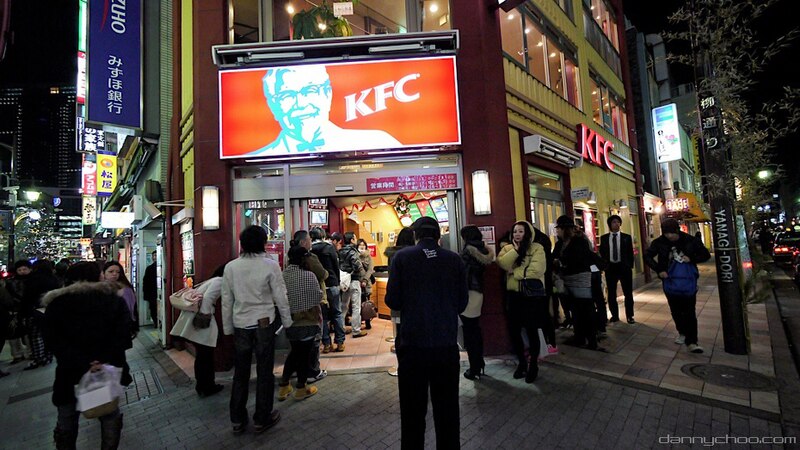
[{"x": 547, "y": 199}]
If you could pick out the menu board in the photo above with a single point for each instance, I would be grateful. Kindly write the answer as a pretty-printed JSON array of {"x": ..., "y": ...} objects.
[{"x": 439, "y": 206}]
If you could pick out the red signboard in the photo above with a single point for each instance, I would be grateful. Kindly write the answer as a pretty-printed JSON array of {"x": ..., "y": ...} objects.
[
  {"x": 320, "y": 108},
  {"x": 412, "y": 183},
  {"x": 89, "y": 173},
  {"x": 594, "y": 148}
]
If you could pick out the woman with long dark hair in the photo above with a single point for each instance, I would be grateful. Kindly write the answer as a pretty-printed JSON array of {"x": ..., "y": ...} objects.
[
  {"x": 204, "y": 339},
  {"x": 405, "y": 238},
  {"x": 476, "y": 256},
  {"x": 113, "y": 272},
  {"x": 573, "y": 263},
  {"x": 524, "y": 259}
]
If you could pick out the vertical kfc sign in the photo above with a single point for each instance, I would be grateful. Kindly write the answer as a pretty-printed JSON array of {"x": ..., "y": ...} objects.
[{"x": 595, "y": 148}]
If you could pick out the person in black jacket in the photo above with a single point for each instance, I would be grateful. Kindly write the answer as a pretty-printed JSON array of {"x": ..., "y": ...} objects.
[
  {"x": 86, "y": 325},
  {"x": 476, "y": 256},
  {"x": 150, "y": 289},
  {"x": 333, "y": 311},
  {"x": 681, "y": 247},
  {"x": 41, "y": 281},
  {"x": 428, "y": 285},
  {"x": 616, "y": 248}
]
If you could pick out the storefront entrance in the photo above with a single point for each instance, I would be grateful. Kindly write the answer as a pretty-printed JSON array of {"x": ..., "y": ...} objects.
[{"x": 373, "y": 198}]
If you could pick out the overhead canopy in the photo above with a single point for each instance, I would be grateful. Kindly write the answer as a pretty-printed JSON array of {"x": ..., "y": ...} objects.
[{"x": 686, "y": 207}]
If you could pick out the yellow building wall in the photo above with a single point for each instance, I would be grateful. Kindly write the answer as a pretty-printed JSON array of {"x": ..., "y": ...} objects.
[{"x": 187, "y": 60}]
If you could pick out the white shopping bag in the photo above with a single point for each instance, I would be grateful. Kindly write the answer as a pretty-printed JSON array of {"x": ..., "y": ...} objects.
[{"x": 98, "y": 392}]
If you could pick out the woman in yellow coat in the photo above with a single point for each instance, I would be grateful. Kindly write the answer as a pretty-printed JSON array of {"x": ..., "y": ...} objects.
[{"x": 523, "y": 259}]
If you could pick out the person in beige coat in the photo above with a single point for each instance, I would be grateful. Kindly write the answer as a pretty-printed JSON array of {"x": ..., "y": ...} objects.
[
  {"x": 523, "y": 259},
  {"x": 476, "y": 256}
]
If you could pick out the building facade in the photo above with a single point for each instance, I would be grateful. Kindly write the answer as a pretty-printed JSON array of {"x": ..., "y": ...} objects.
[{"x": 542, "y": 102}]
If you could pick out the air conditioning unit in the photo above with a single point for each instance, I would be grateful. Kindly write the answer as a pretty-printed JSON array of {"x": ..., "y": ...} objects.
[{"x": 549, "y": 149}]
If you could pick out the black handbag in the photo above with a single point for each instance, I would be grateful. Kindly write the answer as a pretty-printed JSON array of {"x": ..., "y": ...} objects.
[
  {"x": 202, "y": 321},
  {"x": 531, "y": 287}
]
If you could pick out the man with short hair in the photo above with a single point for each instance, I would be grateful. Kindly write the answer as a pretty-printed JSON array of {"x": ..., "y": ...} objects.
[
  {"x": 616, "y": 248},
  {"x": 330, "y": 261},
  {"x": 669, "y": 255},
  {"x": 150, "y": 289},
  {"x": 428, "y": 286},
  {"x": 349, "y": 262},
  {"x": 254, "y": 306}
]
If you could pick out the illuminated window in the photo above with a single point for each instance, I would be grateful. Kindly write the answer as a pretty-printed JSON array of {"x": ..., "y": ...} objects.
[
  {"x": 511, "y": 35},
  {"x": 608, "y": 110}
]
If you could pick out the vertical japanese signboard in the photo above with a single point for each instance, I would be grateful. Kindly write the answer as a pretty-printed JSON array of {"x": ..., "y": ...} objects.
[
  {"x": 89, "y": 214},
  {"x": 89, "y": 175},
  {"x": 106, "y": 174},
  {"x": 115, "y": 44}
]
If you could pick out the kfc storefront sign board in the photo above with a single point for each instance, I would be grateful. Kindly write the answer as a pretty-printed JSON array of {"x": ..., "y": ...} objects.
[
  {"x": 323, "y": 108},
  {"x": 594, "y": 148}
]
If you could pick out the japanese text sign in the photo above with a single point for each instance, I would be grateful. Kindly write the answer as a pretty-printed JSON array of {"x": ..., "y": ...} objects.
[
  {"x": 317, "y": 108},
  {"x": 89, "y": 175},
  {"x": 106, "y": 174},
  {"x": 411, "y": 183},
  {"x": 667, "y": 132},
  {"x": 115, "y": 66}
]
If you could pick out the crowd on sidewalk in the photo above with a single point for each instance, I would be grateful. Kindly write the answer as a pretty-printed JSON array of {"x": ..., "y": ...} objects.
[{"x": 326, "y": 284}]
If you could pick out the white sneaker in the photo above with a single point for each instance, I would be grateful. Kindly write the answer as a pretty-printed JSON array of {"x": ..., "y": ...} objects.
[
  {"x": 694, "y": 348},
  {"x": 680, "y": 340}
]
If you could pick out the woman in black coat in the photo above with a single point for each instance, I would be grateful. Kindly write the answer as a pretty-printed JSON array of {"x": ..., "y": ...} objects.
[{"x": 86, "y": 324}]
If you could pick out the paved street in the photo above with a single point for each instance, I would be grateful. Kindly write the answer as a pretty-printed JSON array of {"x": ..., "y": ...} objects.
[{"x": 576, "y": 402}]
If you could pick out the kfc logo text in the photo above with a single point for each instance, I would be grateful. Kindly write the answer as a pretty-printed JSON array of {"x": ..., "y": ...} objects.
[
  {"x": 595, "y": 148},
  {"x": 358, "y": 106}
]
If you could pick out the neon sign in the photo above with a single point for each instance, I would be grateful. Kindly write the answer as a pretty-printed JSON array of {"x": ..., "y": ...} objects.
[{"x": 595, "y": 148}]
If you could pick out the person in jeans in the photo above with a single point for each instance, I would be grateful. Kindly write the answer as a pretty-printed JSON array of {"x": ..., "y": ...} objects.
[
  {"x": 330, "y": 261},
  {"x": 86, "y": 325},
  {"x": 349, "y": 262},
  {"x": 254, "y": 304},
  {"x": 428, "y": 285},
  {"x": 683, "y": 248},
  {"x": 305, "y": 298}
]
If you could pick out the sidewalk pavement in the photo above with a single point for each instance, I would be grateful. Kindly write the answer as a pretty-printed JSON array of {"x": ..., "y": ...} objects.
[
  {"x": 645, "y": 352},
  {"x": 635, "y": 397}
]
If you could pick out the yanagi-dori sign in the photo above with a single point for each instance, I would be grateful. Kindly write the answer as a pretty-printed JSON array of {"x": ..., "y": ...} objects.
[
  {"x": 89, "y": 175},
  {"x": 667, "y": 132},
  {"x": 89, "y": 214},
  {"x": 94, "y": 139},
  {"x": 318, "y": 203},
  {"x": 321, "y": 108},
  {"x": 677, "y": 204},
  {"x": 115, "y": 62},
  {"x": 412, "y": 183},
  {"x": 107, "y": 174},
  {"x": 594, "y": 148}
]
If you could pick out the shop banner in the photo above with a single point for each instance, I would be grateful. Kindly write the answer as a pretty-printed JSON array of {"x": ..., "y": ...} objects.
[
  {"x": 107, "y": 172},
  {"x": 667, "y": 133},
  {"x": 115, "y": 62},
  {"x": 321, "y": 108},
  {"x": 413, "y": 183},
  {"x": 89, "y": 174},
  {"x": 89, "y": 215}
]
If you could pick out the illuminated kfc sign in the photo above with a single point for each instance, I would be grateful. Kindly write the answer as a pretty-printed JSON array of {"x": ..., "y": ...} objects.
[
  {"x": 594, "y": 148},
  {"x": 323, "y": 108}
]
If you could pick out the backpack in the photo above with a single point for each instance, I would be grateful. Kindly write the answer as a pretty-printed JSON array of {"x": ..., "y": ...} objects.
[{"x": 682, "y": 279}]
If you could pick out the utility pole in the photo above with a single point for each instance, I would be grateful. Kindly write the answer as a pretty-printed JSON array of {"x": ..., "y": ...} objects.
[{"x": 723, "y": 215}]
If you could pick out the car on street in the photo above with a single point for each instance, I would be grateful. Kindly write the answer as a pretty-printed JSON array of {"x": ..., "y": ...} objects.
[{"x": 787, "y": 244}]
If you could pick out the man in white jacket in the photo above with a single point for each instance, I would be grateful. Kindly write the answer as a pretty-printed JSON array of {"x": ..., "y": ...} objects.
[{"x": 252, "y": 291}]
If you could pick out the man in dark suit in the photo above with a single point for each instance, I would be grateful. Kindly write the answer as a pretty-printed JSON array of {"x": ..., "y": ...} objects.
[{"x": 616, "y": 248}]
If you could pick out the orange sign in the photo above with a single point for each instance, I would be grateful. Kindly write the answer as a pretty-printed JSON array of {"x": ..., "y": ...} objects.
[{"x": 319, "y": 108}]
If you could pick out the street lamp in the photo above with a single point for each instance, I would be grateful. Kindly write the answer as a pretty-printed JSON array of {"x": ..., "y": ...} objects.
[
  {"x": 32, "y": 196},
  {"x": 763, "y": 174}
]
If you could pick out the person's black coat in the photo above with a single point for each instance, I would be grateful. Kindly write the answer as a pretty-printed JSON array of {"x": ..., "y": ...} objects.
[
  {"x": 330, "y": 261},
  {"x": 625, "y": 249},
  {"x": 658, "y": 254},
  {"x": 37, "y": 284},
  {"x": 476, "y": 256},
  {"x": 428, "y": 285},
  {"x": 85, "y": 322},
  {"x": 150, "y": 283},
  {"x": 543, "y": 240}
]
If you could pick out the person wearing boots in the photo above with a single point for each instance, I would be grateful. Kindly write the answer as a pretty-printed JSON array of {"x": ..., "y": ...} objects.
[
  {"x": 476, "y": 256},
  {"x": 86, "y": 325}
]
